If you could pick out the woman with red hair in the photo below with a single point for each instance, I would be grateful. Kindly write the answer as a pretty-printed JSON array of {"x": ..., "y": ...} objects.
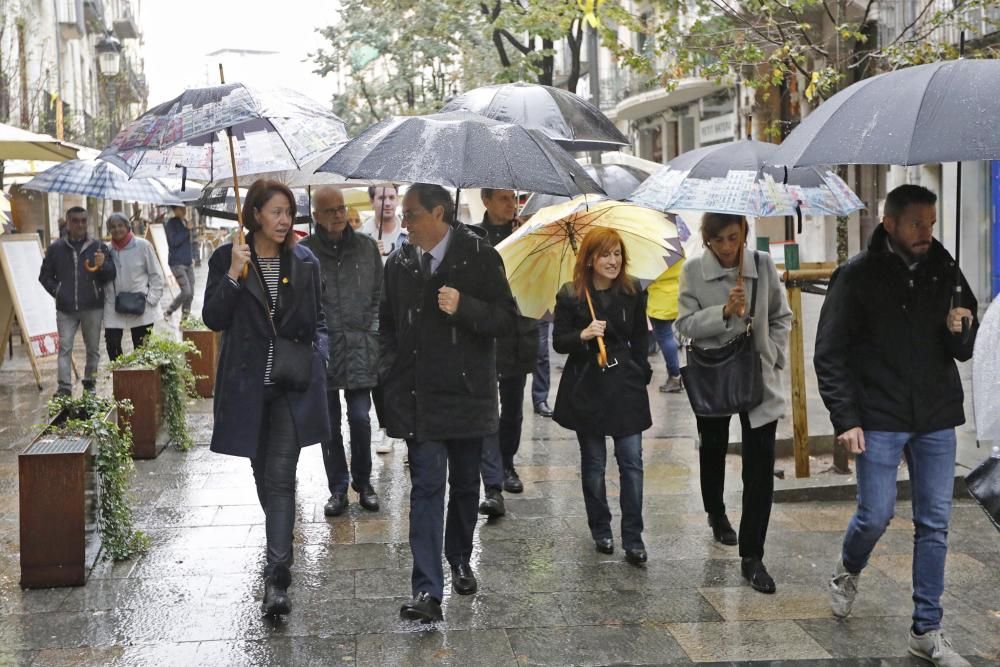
[{"x": 600, "y": 322}]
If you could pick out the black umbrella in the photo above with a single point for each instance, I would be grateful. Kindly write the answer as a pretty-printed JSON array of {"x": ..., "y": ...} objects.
[
  {"x": 571, "y": 121},
  {"x": 618, "y": 181},
  {"x": 461, "y": 150},
  {"x": 941, "y": 112}
]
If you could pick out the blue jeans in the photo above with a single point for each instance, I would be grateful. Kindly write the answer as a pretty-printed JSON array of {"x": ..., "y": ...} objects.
[
  {"x": 663, "y": 332},
  {"x": 540, "y": 378},
  {"x": 334, "y": 459},
  {"x": 593, "y": 461},
  {"x": 930, "y": 458},
  {"x": 432, "y": 463}
]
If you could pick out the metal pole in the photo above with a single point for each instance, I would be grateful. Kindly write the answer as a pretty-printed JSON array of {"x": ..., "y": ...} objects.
[{"x": 593, "y": 58}]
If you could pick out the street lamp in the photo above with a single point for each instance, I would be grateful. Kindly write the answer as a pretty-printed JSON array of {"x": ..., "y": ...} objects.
[{"x": 109, "y": 55}]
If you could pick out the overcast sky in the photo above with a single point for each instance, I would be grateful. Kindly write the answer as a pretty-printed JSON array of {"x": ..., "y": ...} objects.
[{"x": 179, "y": 33}]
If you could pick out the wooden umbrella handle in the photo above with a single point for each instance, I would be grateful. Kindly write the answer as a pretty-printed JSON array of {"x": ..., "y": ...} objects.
[
  {"x": 236, "y": 183},
  {"x": 602, "y": 352}
]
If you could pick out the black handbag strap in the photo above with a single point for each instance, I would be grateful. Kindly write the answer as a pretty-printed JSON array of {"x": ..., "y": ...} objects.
[
  {"x": 753, "y": 291},
  {"x": 267, "y": 294}
]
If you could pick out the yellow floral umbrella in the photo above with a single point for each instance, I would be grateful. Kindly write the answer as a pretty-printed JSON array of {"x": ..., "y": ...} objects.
[{"x": 539, "y": 256}]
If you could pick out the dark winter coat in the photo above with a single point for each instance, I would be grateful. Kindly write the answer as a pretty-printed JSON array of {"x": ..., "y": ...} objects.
[
  {"x": 352, "y": 286},
  {"x": 437, "y": 371},
  {"x": 64, "y": 276},
  {"x": 884, "y": 357},
  {"x": 240, "y": 312},
  {"x": 595, "y": 401},
  {"x": 178, "y": 243},
  {"x": 517, "y": 354}
]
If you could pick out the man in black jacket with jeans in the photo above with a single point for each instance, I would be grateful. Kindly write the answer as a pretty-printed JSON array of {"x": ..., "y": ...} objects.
[
  {"x": 75, "y": 270},
  {"x": 516, "y": 357},
  {"x": 445, "y": 299},
  {"x": 888, "y": 337}
]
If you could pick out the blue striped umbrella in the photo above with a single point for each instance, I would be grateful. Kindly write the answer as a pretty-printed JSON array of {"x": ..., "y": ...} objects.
[{"x": 100, "y": 179}]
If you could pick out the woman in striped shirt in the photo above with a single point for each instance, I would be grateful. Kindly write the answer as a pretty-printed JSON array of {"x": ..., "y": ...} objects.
[{"x": 257, "y": 416}]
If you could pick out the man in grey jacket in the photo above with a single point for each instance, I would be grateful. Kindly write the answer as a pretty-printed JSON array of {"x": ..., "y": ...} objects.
[
  {"x": 75, "y": 271},
  {"x": 352, "y": 273}
]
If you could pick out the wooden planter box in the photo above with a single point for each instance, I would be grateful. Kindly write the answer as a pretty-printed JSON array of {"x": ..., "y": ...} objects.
[
  {"x": 142, "y": 386},
  {"x": 203, "y": 366},
  {"x": 59, "y": 492}
]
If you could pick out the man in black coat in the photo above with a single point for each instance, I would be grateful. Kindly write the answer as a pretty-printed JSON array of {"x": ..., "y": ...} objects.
[
  {"x": 75, "y": 270},
  {"x": 516, "y": 357},
  {"x": 888, "y": 337},
  {"x": 445, "y": 299},
  {"x": 352, "y": 274}
]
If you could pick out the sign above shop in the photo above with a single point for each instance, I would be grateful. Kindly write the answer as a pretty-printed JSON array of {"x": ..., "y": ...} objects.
[{"x": 720, "y": 128}]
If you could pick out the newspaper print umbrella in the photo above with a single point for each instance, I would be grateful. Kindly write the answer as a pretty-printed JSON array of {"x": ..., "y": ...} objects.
[
  {"x": 539, "y": 256},
  {"x": 273, "y": 129},
  {"x": 461, "y": 150},
  {"x": 569, "y": 120},
  {"x": 100, "y": 179},
  {"x": 735, "y": 178}
]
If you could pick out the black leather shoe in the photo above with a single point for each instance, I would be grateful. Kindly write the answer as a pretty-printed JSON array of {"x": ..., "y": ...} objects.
[
  {"x": 511, "y": 482},
  {"x": 421, "y": 608},
  {"x": 336, "y": 505},
  {"x": 367, "y": 497},
  {"x": 636, "y": 556},
  {"x": 276, "y": 601},
  {"x": 543, "y": 409},
  {"x": 463, "y": 580},
  {"x": 722, "y": 530},
  {"x": 493, "y": 505},
  {"x": 755, "y": 572},
  {"x": 605, "y": 545}
]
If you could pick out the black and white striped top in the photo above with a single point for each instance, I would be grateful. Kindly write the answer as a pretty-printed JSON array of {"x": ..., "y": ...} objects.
[{"x": 270, "y": 270}]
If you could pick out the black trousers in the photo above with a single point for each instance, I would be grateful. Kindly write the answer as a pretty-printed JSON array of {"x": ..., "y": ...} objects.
[
  {"x": 274, "y": 474},
  {"x": 113, "y": 339},
  {"x": 758, "y": 476},
  {"x": 432, "y": 463}
]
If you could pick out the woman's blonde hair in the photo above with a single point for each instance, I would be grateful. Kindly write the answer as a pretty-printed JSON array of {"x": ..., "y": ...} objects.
[{"x": 598, "y": 241}]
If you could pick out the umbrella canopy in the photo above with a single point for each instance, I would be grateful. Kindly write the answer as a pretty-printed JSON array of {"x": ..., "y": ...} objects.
[
  {"x": 273, "y": 130},
  {"x": 617, "y": 180},
  {"x": 18, "y": 144},
  {"x": 220, "y": 202},
  {"x": 734, "y": 178},
  {"x": 305, "y": 177},
  {"x": 540, "y": 255},
  {"x": 96, "y": 178},
  {"x": 941, "y": 112},
  {"x": 569, "y": 120},
  {"x": 986, "y": 375},
  {"x": 461, "y": 150}
]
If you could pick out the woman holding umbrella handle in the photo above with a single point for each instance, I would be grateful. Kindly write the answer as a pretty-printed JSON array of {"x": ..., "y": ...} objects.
[
  {"x": 712, "y": 312},
  {"x": 270, "y": 388},
  {"x": 603, "y": 392}
]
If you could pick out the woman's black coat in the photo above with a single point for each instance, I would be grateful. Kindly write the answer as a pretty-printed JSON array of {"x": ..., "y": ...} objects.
[
  {"x": 240, "y": 313},
  {"x": 611, "y": 401}
]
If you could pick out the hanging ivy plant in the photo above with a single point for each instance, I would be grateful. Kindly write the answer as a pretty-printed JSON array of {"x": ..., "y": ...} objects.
[
  {"x": 85, "y": 417},
  {"x": 190, "y": 323},
  {"x": 178, "y": 380}
]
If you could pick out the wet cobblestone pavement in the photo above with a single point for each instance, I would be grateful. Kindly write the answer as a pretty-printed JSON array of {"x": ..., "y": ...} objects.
[{"x": 546, "y": 596}]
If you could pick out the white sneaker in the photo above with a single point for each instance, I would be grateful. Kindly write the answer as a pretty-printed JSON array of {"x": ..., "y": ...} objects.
[
  {"x": 843, "y": 590},
  {"x": 384, "y": 444},
  {"x": 936, "y": 648}
]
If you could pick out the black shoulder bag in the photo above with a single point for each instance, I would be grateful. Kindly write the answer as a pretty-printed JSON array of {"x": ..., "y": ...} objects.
[
  {"x": 727, "y": 380},
  {"x": 291, "y": 361}
]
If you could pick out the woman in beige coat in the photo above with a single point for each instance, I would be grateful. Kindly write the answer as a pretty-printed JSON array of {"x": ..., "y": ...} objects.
[{"x": 712, "y": 307}]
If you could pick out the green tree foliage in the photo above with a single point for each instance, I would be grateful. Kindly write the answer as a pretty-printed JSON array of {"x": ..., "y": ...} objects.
[{"x": 408, "y": 57}]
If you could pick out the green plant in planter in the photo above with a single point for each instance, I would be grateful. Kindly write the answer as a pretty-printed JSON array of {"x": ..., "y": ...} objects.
[
  {"x": 190, "y": 323},
  {"x": 113, "y": 458},
  {"x": 178, "y": 380}
]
